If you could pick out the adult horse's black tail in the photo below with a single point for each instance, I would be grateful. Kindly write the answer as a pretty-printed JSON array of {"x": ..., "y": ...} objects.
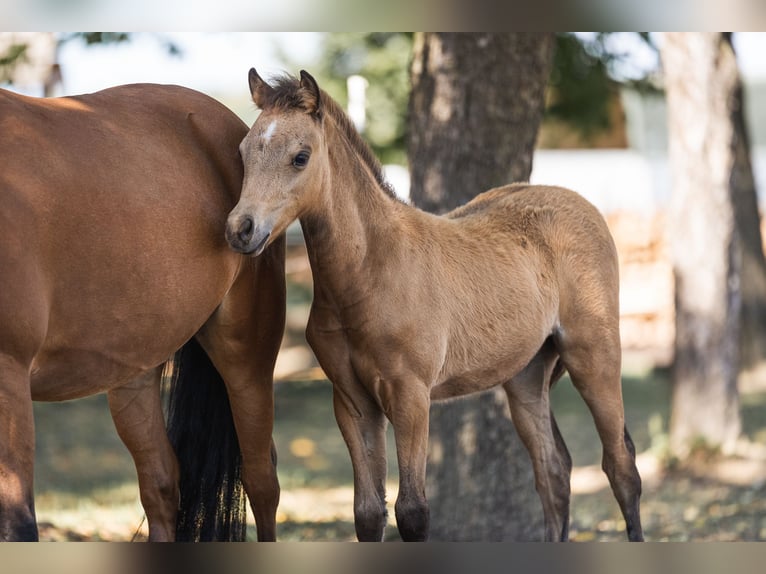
[{"x": 212, "y": 502}]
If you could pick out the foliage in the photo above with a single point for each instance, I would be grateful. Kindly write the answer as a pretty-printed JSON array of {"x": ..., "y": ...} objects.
[
  {"x": 17, "y": 54},
  {"x": 585, "y": 78},
  {"x": 584, "y": 82},
  {"x": 96, "y": 38},
  {"x": 91, "y": 38},
  {"x": 383, "y": 60},
  {"x": 580, "y": 88}
]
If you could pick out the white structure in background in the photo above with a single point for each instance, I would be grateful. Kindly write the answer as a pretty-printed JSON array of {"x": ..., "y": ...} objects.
[
  {"x": 357, "y": 101},
  {"x": 635, "y": 179},
  {"x": 399, "y": 178},
  {"x": 397, "y": 175},
  {"x": 611, "y": 179}
]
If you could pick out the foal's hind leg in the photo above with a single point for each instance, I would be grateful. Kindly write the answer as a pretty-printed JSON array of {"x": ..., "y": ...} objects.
[
  {"x": 137, "y": 413},
  {"x": 591, "y": 355},
  {"x": 528, "y": 397}
]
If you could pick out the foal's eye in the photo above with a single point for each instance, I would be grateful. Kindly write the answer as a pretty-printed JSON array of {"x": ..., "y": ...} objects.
[{"x": 301, "y": 159}]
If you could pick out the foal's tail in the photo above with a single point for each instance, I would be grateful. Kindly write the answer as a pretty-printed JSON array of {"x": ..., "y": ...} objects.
[{"x": 212, "y": 502}]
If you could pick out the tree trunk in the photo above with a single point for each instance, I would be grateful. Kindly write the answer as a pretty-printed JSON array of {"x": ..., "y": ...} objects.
[
  {"x": 475, "y": 108},
  {"x": 748, "y": 221},
  {"x": 702, "y": 84}
]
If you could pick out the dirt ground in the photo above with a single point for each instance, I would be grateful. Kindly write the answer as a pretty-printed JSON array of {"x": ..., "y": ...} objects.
[{"x": 87, "y": 491}]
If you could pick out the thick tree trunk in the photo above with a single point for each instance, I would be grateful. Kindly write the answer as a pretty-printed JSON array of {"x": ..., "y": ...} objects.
[
  {"x": 702, "y": 82},
  {"x": 475, "y": 108}
]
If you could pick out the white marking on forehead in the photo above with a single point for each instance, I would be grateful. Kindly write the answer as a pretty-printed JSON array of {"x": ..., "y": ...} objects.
[{"x": 270, "y": 129}]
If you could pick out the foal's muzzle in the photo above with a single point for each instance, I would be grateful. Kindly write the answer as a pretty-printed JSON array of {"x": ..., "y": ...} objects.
[{"x": 243, "y": 236}]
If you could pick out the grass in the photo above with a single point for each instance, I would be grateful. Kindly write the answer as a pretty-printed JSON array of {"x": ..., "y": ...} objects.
[
  {"x": 79, "y": 453},
  {"x": 647, "y": 408},
  {"x": 86, "y": 487}
]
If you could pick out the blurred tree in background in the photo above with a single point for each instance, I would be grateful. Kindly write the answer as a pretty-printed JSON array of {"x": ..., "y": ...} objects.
[{"x": 715, "y": 240}]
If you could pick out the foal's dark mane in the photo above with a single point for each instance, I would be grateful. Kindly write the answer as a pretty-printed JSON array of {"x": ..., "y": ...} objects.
[{"x": 288, "y": 94}]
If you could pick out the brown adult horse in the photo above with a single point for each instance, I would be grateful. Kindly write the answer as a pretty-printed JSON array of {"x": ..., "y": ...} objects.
[
  {"x": 112, "y": 257},
  {"x": 511, "y": 289}
]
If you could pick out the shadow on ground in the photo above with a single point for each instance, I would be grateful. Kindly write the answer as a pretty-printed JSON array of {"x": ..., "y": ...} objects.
[{"x": 86, "y": 487}]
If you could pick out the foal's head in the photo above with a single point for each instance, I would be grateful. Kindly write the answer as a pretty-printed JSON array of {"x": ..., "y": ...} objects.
[{"x": 284, "y": 158}]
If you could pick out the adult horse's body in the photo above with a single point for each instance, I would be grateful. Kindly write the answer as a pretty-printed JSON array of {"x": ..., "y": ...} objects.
[
  {"x": 112, "y": 257},
  {"x": 511, "y": 289}
]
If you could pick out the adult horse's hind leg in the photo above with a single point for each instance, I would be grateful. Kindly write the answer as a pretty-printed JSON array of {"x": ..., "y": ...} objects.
[
  {"x": 137, "y": 413},
  {"x": 17, "y": 452},
  {"x": 242, "y": 339},
  {"x": 528, "y": 397},
  {"x": 590, "y": 351}
]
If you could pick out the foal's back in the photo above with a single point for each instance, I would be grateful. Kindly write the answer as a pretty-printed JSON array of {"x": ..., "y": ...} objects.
[
  {"x": 537, "y": 216},
  {"x": 520, "y": 262},
  {"x": 551, "y": 229}
]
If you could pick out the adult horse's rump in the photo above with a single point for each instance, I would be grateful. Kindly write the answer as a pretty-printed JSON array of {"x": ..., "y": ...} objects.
[{"x": 112, "y": 257}]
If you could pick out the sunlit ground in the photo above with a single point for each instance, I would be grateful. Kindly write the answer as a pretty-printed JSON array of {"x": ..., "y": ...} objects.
[{"x": 86, "y": 488}]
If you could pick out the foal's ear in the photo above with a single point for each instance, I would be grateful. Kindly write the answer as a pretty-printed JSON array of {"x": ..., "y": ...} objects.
[
  {"x": 259, "y": 89},
  {"x": 313, "y": 101}
]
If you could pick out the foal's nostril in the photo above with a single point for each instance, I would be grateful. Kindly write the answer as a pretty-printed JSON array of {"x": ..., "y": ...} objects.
[{"x": 246, "y": 230}]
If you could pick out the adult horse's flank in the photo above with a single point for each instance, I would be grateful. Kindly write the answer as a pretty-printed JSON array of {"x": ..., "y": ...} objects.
[
  {"x": 511, "y": 289},
  {"x": 112, "y": 257}
]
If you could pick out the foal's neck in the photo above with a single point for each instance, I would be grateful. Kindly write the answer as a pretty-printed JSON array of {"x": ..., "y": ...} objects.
[{"x": 354, "y": 216}]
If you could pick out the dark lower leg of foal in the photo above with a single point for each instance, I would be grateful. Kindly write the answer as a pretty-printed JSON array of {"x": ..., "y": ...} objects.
[
  {"x": 552, "y": 465},
  {"x": 619, "y": 454},
  {"x": 565, "y": 463},
  {"x": 412, "y": 513},
  {"x": 365, "y": 437},
  {"x": 409, "y": 417},
  {"x": 619, "y": 465},
  {"x": 590, "y": 351},
  {"x": 18, "y": 525},
  {"x": 626, "y": 485}
]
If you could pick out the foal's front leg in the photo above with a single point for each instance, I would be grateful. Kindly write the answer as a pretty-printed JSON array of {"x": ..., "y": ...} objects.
[
  {"x": 363, "y": 426},
  {"x": 361, "y": 421},
  {"x": 408, "y": 409}
]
